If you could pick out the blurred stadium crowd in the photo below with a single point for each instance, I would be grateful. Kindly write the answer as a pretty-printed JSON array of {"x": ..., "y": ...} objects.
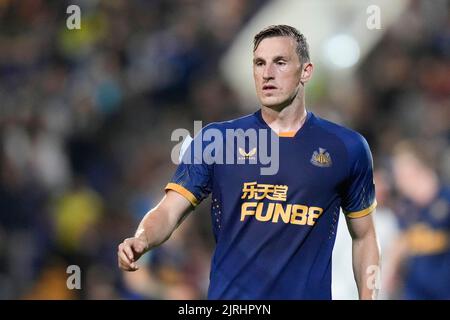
[{"x": 86, "y": 118}]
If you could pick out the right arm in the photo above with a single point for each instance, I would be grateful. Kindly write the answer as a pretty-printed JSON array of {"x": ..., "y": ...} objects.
[{"x": 154, "y": 229}]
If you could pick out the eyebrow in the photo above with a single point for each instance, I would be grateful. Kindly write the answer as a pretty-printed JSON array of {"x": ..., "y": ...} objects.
[{"x": 277, "y": 58}]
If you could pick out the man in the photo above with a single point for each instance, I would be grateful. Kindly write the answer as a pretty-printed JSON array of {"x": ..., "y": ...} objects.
[
  {"x": 274, "y": 232},
  {"x": 420, "y": 257}
]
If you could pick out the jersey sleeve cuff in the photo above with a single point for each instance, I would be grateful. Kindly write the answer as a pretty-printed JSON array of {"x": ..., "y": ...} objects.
[
  {"x": 183, "y": 191},
  {"x": 361, "y": 213}
]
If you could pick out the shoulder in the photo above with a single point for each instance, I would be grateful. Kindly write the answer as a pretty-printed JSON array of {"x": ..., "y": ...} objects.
[
  {"x": 243, "y": 122},
  {"x": 354, "y": 142}
]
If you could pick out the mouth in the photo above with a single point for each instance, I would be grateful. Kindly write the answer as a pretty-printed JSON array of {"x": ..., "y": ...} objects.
[{"x": 268, "y": 87}]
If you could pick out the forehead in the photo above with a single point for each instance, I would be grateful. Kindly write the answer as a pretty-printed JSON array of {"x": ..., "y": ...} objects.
[{"x": 276, "y": 46}]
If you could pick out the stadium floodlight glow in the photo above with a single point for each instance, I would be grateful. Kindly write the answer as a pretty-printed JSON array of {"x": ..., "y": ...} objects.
[{"x": 342, "y": 51}]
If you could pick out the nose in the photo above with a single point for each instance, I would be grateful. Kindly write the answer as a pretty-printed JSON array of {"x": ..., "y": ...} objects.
[{"x": 268, "y": 72}]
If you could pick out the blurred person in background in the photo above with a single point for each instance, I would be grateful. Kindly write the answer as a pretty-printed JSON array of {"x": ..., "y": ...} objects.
[
  {"x": 387, "y": 231},
  {"x": 420, "y": 258},
  {"x": 325, "y": 166}
]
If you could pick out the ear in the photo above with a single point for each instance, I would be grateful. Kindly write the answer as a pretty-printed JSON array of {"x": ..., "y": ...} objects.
[{"x": 307, "y": 70}]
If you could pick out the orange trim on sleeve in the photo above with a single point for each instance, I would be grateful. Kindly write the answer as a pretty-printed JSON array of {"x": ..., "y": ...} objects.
[
  {"x": 361, "y": 213},
  {"x": 183, "y": 191}
]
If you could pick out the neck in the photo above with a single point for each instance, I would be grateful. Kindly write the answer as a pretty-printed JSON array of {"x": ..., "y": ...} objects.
[{"x": 288, "y": 118}]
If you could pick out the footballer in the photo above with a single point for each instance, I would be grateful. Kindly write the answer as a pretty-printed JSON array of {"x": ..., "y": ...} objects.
[{"x": 274, "y": 232}]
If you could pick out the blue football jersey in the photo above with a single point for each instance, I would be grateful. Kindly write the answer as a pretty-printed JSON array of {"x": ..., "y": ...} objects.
[
  {"x": 275, "y": 232},
  {"x": 427, "y": 231}
]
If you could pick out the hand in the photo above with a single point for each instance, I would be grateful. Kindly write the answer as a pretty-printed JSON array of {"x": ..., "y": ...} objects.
[{"x": 129, "y": 251}]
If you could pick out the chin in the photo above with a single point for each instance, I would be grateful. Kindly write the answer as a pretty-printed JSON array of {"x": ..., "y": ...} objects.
[
  {"x": 269, "y": 100},
  {"x": 272, "y": 103}
]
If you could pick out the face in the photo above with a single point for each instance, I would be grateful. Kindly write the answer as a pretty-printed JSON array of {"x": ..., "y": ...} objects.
[
  {"x": 277, "y": 71},
  {"x": 410, "y": 176}
]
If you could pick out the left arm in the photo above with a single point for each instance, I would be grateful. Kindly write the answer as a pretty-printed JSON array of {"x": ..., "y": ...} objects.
[{"x": 366, "y": 256}]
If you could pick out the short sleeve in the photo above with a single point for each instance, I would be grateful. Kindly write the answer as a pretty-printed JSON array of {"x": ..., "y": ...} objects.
[
  {"x": 358, "y": 196},
  {"x": 193, "y": 176}
]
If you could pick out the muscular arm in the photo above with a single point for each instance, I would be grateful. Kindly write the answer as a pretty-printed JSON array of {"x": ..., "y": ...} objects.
[
  {"x": 159, "y": 223},
  {"x": 154, "y": 229},
  {"x": 366, "y": 256}
]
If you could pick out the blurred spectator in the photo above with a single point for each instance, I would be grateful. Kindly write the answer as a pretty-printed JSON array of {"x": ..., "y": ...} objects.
[
  {"x": 343, "y": 285},
  {"x": 75, "y": 213},
  {"x": 421, "y": 255}
]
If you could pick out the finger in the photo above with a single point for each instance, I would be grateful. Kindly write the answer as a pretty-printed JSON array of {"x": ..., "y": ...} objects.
[
  {"x": 122, "y": 266},
  {"x": 128, "y": 252},
  {"x": 135, "y": 267},
  {"x": 131, "y": 265},
  {"x": 126, "y": 267},
  {"x": 124, "y": 258}
]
